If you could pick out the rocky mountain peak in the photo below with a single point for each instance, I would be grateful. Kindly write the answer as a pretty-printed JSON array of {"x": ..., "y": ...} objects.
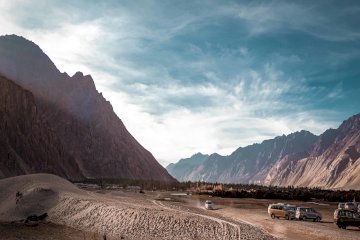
[
  {"x": 333, "y": 161},
  {"x": 323, "y": 142},
  {"x": 21, "y": 58},
  {"x": 247, "y": 164},
  {"x": 91, "y": 133},
  {"x": 351, "y": 124},
  {"x": 85, "y": 80}
]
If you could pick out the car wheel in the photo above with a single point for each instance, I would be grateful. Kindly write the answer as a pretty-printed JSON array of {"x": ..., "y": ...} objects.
[
  {"x": 318, "y": 219},
  {"x": 273, "y": 216},
  {"x": 303, "y": 218},
  {"x": 343, "y": 227},
  {"x": 287, "y": 217},
  {"x": 339, "y": 226}
]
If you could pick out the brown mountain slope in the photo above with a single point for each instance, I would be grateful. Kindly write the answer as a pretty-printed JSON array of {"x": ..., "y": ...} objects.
[
  {"x": 334, "y": 161},
  {"x": 78, "y": 115},
  {"x": 22, "y": 131},
  {"x": 249, "y": 164}
]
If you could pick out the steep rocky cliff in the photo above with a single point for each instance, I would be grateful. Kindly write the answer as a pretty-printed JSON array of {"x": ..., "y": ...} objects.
[
  {"x": 250, "y": 164},
  {"x": 332, "y": 163},
  {"x": 78, "y": 115},
  {"x": 22, "y": 131}
]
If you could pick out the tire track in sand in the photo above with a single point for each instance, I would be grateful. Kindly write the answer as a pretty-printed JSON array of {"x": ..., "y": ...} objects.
[{"x": 221, "y": 222}]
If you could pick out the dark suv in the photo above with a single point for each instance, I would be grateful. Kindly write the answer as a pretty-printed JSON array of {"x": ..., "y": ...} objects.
[{"x": 344, "y": 218}]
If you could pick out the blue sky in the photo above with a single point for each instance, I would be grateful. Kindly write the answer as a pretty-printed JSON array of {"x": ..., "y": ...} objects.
[{"x": 208, "y": 76}]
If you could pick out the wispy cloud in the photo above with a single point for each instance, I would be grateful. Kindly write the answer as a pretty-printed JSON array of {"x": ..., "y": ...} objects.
[
  {"x": 326, "y": 20},
  {"x": 203, "y": 76}
]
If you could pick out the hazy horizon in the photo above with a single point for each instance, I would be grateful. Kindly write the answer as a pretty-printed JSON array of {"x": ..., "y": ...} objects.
[{"x": 205, "y": 76}]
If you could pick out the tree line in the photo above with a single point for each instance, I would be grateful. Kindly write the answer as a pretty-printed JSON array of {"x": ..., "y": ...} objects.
[{"x": 233, "y": 190}]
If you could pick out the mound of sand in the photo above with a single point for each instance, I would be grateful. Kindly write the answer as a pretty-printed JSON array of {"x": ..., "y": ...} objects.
[
  {"x": 37, "y": 194},
  {"x": 127, "y": 217}
]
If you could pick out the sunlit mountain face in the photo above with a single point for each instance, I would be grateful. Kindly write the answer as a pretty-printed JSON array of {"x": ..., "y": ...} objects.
[{"x": 302, "y": 159}]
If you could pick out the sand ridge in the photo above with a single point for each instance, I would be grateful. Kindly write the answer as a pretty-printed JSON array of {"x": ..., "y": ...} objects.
[{"x": 138, "y": 217}]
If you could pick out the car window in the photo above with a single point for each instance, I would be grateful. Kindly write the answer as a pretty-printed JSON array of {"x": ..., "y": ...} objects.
[
  {"x": 343, "y": 214},
  {"x": 349, "y": 214}
]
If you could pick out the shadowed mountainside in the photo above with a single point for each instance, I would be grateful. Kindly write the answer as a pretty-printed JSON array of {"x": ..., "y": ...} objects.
[
  {"x": 23, "y": 130},
  {"x": 78, "y": 115}
]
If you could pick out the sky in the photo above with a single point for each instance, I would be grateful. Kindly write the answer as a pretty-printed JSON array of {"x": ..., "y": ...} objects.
[{"x": 205, "y": 76}]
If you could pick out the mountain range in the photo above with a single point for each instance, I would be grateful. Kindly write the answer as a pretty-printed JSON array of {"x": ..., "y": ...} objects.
[
  {"x": 55, "y": 123},
  {"x": 331, "y": 160}
]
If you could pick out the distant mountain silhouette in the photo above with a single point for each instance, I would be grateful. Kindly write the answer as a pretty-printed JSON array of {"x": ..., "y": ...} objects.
[
  {"x": 74, "y": 128},
  {"x": 331, "y": 160},
  {"x": 249, "y": 164},
  {"x": 184, "y": 167}
]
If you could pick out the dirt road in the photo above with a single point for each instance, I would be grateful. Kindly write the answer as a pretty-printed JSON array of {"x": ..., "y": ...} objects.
[
  {"x": 222, "y": 223},
  {"x": 254, "y": 212}
]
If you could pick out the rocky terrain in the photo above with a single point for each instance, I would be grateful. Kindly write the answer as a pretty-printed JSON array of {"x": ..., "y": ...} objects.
[
  {"x": 84, "y": 137},
  {"x": 23, "y": 130},
  {"x": 333, "y": 162},
  {"x": 250, "y": 164},
  {"x": 330, "y": 160},
  {"x": 185, "y": 166}
]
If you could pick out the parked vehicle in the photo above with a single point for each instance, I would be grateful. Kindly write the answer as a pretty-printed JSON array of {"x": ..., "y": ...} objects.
[
  {"x": 291, "y": 209},
  {"x": 350, "y": 206},
  {"x": 341, "y": 205},
  {"x": 209, "y": 204},
  {"x": 281, "y": 210},
  {"x": 304, "y": 213},
  {"x": 344, "y": 218}
]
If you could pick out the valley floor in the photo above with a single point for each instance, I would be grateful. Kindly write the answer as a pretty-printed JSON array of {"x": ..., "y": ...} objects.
[
  {"x": 81, "y": 214},
  {"x": 254, "y": 212}
]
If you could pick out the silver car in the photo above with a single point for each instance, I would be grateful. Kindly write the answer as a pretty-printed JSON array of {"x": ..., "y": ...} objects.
[{"x": 304, "y": 213}]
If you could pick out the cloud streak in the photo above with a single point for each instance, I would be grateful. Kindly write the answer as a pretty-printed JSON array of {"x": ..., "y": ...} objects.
[{"x": 204, "y": 76}]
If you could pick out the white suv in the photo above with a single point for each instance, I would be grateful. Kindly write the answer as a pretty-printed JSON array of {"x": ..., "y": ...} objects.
[{"x": 209, "y": 204}]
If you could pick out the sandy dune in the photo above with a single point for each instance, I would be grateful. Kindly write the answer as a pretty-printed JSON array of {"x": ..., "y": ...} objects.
[{"x": 117, "y": 216}]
